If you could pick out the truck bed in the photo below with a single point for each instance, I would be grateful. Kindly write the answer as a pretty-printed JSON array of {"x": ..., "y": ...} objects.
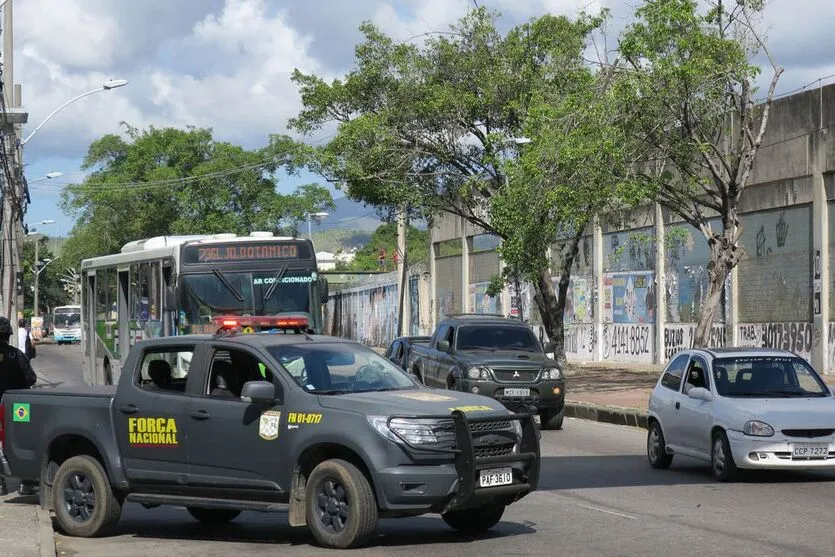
[{"x": 34, "y": 417}]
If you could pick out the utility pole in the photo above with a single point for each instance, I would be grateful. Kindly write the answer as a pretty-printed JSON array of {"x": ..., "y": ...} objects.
[
  {"x": 403, "y": 310},
  {"x": 13, "y": 207}
]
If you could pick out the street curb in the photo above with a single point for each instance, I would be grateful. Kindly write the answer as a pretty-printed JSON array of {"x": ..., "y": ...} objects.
[
  {"x": 632, "y": 417},
  {"x": 46, "y": 536}
]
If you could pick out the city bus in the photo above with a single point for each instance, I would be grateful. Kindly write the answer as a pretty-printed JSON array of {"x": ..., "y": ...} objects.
[
  {"x": 175, "y": 285},
  {"x": 66, "y": 324}
]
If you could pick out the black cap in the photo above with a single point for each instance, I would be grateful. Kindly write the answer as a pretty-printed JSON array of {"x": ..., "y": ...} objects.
[{"x": 5, "y": 326}]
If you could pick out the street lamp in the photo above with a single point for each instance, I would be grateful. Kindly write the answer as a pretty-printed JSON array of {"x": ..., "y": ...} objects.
[
  {"x": 48, "y": 176},
  {"x": 112, "y": 84},
  {"x": 318, "y": 216},
  {"x": 517, "y": 141},
  {"x": 36, "y": 270}
]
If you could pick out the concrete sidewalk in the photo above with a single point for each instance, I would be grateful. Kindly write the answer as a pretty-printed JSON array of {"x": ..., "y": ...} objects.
[{"x": 25, "y": 528}]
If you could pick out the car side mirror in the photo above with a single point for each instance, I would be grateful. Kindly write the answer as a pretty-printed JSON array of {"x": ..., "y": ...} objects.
[
  {"x": 550, "y": 347},
  {"x": 258, "y": 392},
  {"x": 700, "y": 393},
  {"x": 443, "y": 345}
]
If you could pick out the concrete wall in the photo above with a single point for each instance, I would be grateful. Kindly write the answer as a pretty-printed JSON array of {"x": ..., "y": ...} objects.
[
  {"x": 367, "y": 310},
  {"x": 636, "y": 289}
]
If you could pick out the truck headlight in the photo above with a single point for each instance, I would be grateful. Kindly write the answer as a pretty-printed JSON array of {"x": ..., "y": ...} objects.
[
  {"x": 478, "y": 373},
  {"x": 757, "y": 429},
  {"x": 416, "y": 432},
  {"x": 551, "y": 373}
]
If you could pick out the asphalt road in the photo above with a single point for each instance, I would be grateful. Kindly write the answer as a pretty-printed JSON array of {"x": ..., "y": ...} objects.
[
  {"x": 57, "y": 365},
  {"x": 597, "y": 497}
]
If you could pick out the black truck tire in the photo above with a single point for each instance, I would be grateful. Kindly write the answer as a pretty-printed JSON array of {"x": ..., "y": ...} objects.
[
  {"x": 341, "y": 510},
  {"x": 85, "y": 505},
  {"x": 475, "y": 521},
  {"x": 213, "y": 517},
  {"x": 551, "y": 419}
]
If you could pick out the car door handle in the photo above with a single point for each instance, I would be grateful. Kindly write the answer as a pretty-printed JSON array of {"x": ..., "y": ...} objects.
[
  {"x": 678, "y": 405},
  {"x": 200, "y": 415},
  {"x": 129, "y": 409}
]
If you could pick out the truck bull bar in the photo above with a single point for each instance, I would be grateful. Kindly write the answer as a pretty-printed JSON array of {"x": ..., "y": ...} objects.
[{"x": 467, "y": 464}]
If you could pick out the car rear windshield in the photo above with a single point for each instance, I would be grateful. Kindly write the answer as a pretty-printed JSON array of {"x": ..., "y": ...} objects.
[
  {"x": 496, "y": 337},
  {"x": 767, "y": 376},
  {"x": 338, "y": 368}
]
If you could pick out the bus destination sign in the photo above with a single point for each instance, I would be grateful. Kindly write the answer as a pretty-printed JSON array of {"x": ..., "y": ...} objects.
[{"x": 243, "y": 252}]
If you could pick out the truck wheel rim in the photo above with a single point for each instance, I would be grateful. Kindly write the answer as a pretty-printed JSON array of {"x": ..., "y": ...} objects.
[
  {"x": 332, "y": 502},
  {"x": 79, "y": 498}
]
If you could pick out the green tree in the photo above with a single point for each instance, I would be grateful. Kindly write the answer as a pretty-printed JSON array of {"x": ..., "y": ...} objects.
[
  {"x": 577, "y": 168},
  {"x": 385, "y": 237},
  {"x": 690, "y": 98},
  {"x": 172, "y": 181},
  {"x": 50, "y": 290},
  {"x": 426, "y": 127}
]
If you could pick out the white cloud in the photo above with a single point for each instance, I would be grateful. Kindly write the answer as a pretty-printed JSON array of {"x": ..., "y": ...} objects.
[
  {"x": 226, "y": 64},
  {"x": 250, "y": 98},
  {"x": 67, "y": 33}
]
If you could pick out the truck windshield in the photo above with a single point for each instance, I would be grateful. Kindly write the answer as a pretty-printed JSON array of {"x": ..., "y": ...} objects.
[
  {"x": 338, "y": 368},
  {"x": 496, "y": 337},
  {"x": 244, "y": 293}
]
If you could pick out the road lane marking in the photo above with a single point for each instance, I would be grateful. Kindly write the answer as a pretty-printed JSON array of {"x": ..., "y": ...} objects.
[{"x": 608, "y": 511}]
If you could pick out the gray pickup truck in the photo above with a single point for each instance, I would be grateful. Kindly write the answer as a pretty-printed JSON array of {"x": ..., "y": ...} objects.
[
  {"x": 494, "y": 356},
  {"x": 261, "y": 421}
]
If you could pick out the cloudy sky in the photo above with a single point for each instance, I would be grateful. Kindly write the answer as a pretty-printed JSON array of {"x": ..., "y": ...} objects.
[{"x": 225, "y": 64}]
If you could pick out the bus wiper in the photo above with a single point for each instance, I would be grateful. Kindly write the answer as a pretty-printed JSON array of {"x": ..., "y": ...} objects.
[
  {"x": 228, "y": 285},
  {"x": 268, "y": 294}
]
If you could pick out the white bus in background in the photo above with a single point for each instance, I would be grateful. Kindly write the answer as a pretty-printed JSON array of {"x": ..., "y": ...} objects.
[
  {"x": 66, "y": 324},
  {"x": 176, "y": 285}
]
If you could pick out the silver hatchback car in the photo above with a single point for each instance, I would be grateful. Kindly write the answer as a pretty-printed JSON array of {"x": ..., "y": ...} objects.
[{"x": 742, "y": 408}]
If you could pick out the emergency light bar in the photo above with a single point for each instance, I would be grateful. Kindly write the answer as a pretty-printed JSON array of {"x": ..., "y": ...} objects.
[{"x": 278, "y": 322}]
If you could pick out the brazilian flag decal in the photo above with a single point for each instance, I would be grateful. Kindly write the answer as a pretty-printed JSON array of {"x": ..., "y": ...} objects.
[{"x": 20, "y": 412}]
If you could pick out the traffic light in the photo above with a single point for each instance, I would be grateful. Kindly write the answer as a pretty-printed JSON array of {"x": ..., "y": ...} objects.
[{"x": 19, "y": 282}]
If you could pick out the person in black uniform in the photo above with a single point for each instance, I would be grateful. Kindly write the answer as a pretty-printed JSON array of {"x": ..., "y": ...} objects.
[{"x": 15, "y": 373}]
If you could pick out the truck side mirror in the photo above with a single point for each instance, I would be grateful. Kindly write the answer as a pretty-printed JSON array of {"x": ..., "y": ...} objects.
[
  {"x": 323, "y": 290},
  {"x": 443, "y": 345},
  {"x": 258, "y": 392}
]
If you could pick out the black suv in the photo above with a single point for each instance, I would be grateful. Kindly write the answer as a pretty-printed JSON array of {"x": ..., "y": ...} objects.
[{"x": 495, "y": 356}]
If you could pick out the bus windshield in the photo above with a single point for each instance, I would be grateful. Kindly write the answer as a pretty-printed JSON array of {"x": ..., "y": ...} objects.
[
  {"x": 66, "y": 319},
  {"x": 245, "y": 293}
]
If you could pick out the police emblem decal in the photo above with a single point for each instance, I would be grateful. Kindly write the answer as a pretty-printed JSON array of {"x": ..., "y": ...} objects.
[{"x": 268, "y": 425}]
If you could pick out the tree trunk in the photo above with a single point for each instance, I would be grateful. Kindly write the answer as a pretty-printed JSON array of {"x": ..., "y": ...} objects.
[
  {"x": 725, "y": 253},
  {"x": 551, "y": 305}
]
